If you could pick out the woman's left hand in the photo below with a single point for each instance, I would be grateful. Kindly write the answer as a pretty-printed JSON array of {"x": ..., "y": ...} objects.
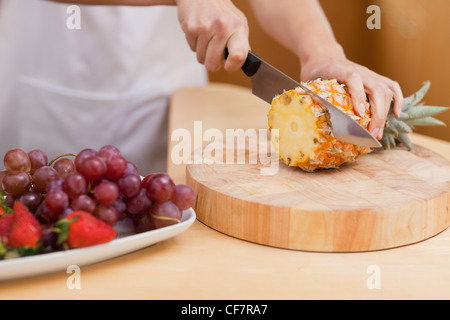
[{"x": 361, "y": 82}]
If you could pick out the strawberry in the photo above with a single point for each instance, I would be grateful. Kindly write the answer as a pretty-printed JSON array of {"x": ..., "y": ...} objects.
[
  {"x": 25, "y": 232},
  {"x": 5, "y": 227},
  {"x": 81, "y": 229}
]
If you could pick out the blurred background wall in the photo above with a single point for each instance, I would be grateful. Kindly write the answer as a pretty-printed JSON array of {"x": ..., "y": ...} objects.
[{"x": 412, "y": 46}]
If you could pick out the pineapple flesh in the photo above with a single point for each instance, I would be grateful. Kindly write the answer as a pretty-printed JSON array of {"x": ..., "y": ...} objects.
[{"x": 301, "y": 130}]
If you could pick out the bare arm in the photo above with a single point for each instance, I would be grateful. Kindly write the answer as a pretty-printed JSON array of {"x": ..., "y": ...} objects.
[{"x": 301, "y": 26}]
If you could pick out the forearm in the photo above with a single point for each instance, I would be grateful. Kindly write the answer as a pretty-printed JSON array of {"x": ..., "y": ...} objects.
[
  {"x": 307, "y": 31},
  {"x": 119, "y": 2}
]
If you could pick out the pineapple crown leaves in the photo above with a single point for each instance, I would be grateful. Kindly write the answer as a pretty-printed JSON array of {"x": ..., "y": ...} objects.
[
  {"x": 415, "y": 98},
  {"x": 414, "y": 113}
]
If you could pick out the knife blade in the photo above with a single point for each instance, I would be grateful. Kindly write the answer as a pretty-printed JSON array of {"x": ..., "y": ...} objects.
[{"x": 268, "y": 82}]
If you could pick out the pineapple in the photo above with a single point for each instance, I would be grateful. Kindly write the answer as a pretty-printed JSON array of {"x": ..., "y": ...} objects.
[{"x": 304, "y": 136}]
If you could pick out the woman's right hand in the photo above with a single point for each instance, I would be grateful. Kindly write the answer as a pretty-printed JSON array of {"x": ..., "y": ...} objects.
[{"x": 211, "y": 27}]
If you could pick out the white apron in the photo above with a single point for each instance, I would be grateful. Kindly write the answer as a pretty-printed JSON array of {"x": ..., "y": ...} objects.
[{"x": 64, "y": 90}]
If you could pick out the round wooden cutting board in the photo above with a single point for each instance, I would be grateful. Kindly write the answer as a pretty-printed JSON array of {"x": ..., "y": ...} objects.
[{"x": 386, "y": 199}]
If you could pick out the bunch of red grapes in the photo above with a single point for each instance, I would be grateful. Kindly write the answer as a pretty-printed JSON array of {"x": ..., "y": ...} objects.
[{"x": 101, "y": 182}]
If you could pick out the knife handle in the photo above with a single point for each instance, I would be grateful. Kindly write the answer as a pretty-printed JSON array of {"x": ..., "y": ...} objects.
[{"x": 251, "y": 64}]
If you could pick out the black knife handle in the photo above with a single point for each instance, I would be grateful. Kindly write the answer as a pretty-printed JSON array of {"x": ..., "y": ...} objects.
[{"x": 251, "y": 64}]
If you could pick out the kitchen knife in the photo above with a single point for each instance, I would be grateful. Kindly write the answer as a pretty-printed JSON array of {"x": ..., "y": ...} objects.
[{"x": 268, "y": 82}]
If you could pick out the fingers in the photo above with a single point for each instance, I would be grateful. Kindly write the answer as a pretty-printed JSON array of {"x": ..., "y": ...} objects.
[
  {"x": 380, "y": 101},
  {"x": 398, "y": 98},
  {"x": 362, "y": 83},
  {"x": 212, "y": 26},
  {"x": 202, "y": 42},
  {"x": 358, "y": 94},
  {"x": 238, "y": 47},
  {"x": 380, "y": 91}
]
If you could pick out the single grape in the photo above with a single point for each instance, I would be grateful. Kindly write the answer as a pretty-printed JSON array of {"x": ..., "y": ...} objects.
[
  {"x": 106, "y": 192},
  {"x": 75, "y": 184},
  {"x": 16, "y": 183},
  {"x": 83, "y": 155},
  {"x": 56, "y": 201},
  {"x": 55, "y": 184},
  {"x": 41, "y": 178},
  {"x": 183, "y": 196},
  {"x": 17, "y": 160},
  {"x": 50, "y": 239},
  {"x": 108, "y": 151},
  {"x": 129, "y": 185},
  {"x": 93, "y": 168},
  {"x": 107, "y": 214},
  {"x": 139, "y": 203},
  {"x": 9, "y": 199},
  {"x": 131, "y": 169},
  {"x": 45, "y": 215},
  {"x": 2, "y": 175},
  {"x": 165, "y": 214},
  {"x": 115, "y": 167},
  {"x": 142, "y": 222},
  {"x": 83, "y": 202},
  {"x": 31, "y": 200},
  {"x": 160, "y": 188},
  {"x": 63, "y": 167},
  {"x": 146, "y": 179},
  {"x": 38, "y": 159},
  {"x": 66, "y": 212},
  {"x": 121, "y": 208}
]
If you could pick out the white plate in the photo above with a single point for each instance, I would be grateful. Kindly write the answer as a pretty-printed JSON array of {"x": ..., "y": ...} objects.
[{"x": 125, "y": 242}]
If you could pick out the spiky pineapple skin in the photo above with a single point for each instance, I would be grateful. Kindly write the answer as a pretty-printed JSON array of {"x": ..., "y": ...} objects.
[
  {"x": 301, "y": 129},
  {"x": 312, "y": 146}
]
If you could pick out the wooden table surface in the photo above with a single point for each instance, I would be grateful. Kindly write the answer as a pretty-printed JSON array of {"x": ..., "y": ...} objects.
[{"x": 204, "y": 264}]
